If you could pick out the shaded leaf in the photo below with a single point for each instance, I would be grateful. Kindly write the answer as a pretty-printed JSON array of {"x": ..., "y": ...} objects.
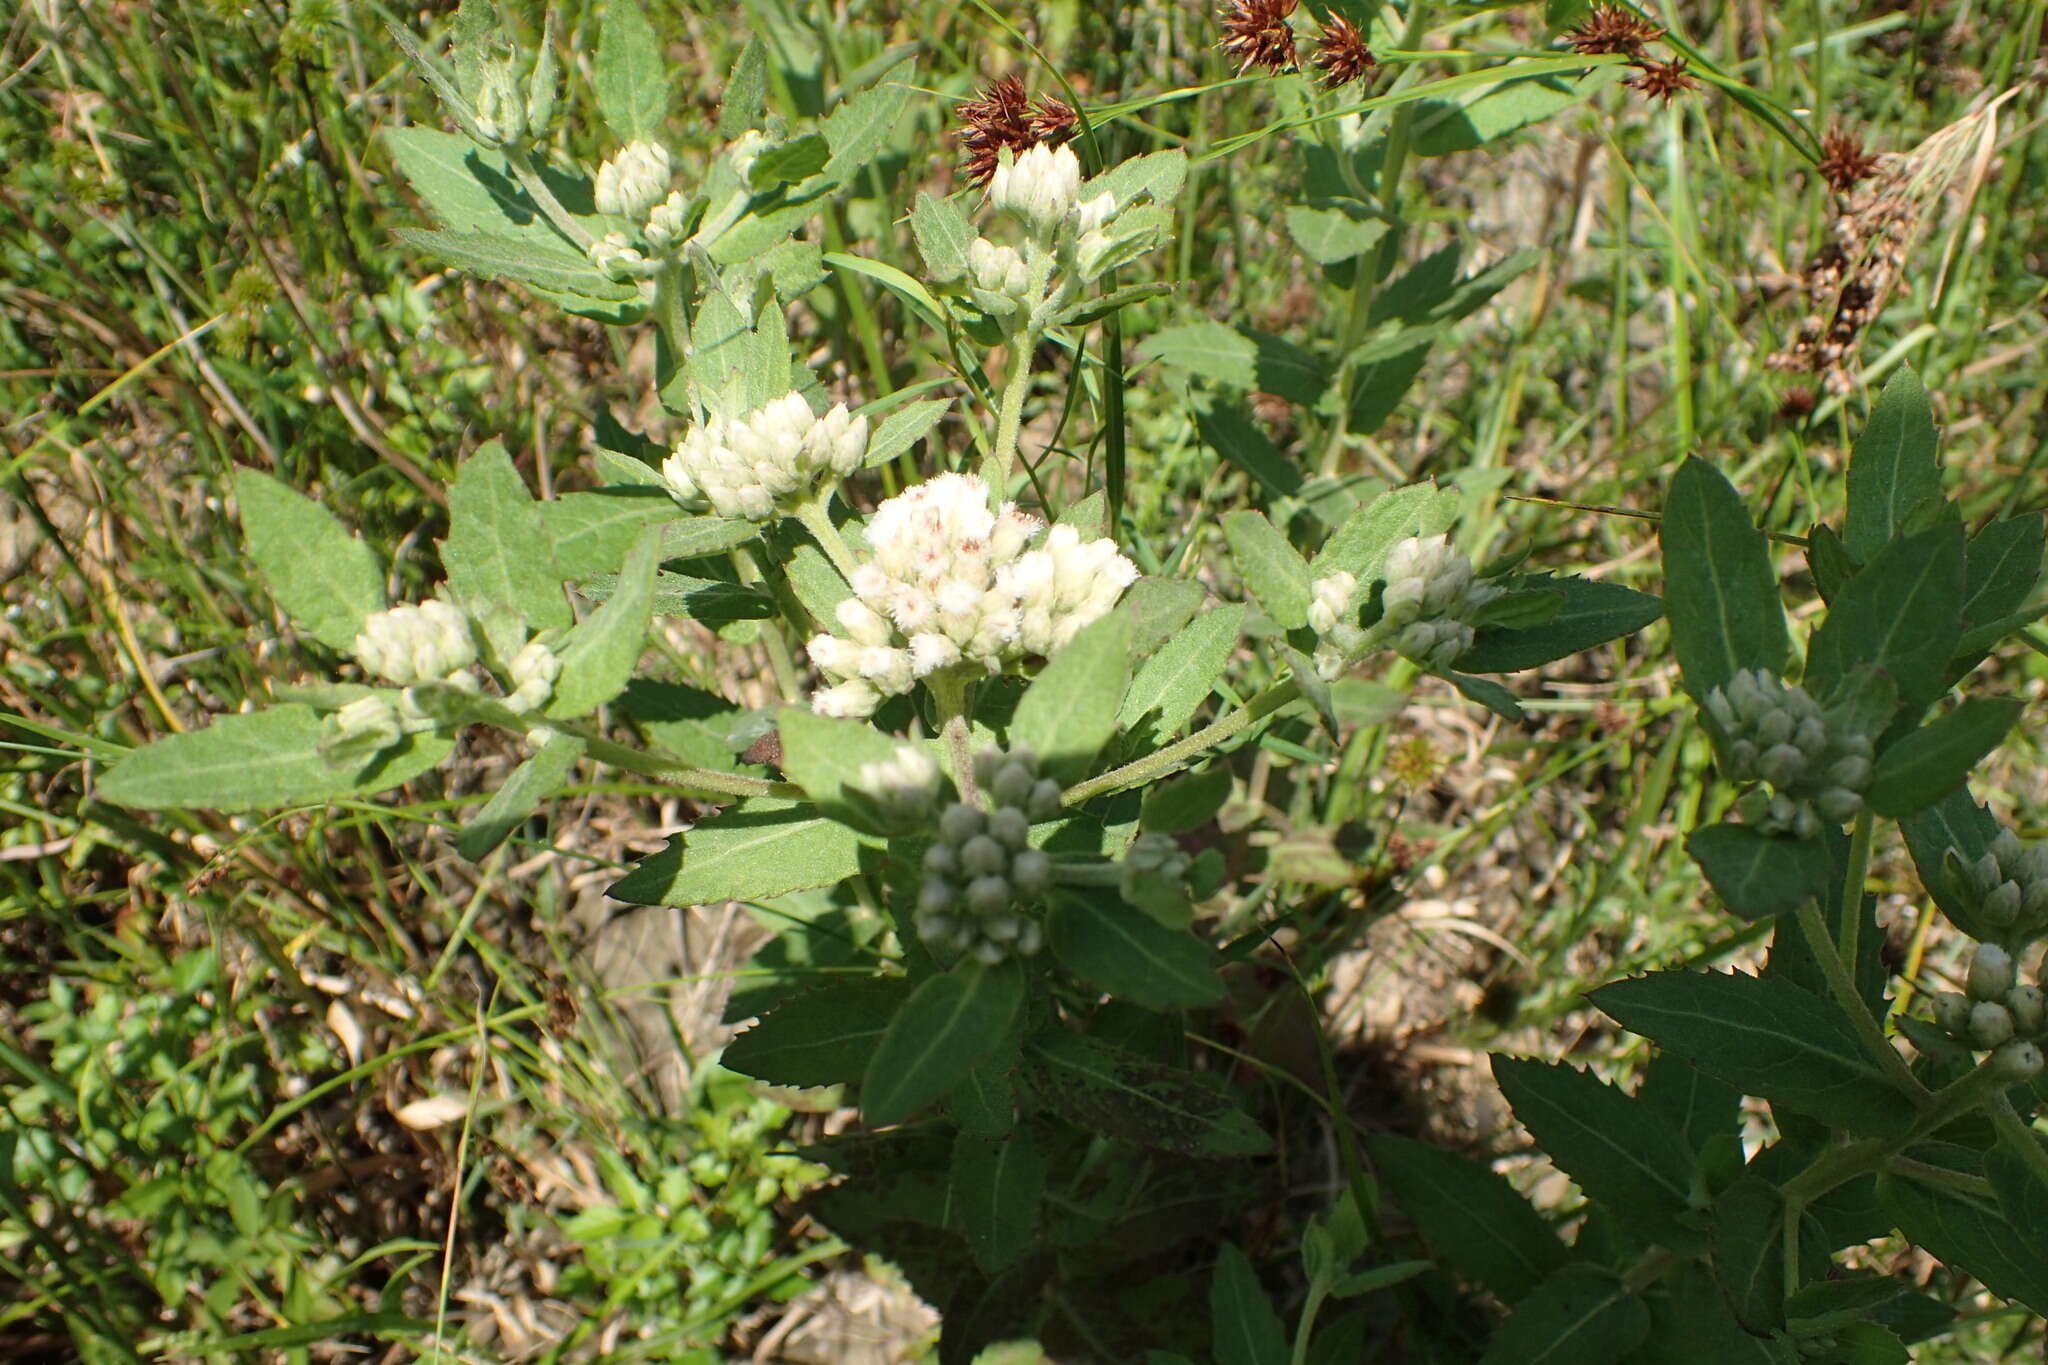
[
  {"x": 948, "y": 1024},
  {"x": 326, "y": 579}
]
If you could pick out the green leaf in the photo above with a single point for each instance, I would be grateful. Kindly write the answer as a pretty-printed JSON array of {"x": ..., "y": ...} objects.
[
  {"x": 1227, "y": 427},
  {"x": 1621, "y": 1152},
  {"x": 1157, "y": 608},
  {"x": 746, "y": 92},
  {"x": 1210, "y": 350},
  {"x": 1473, "y": 1220},
  {"x": 1381, "y": 375},
  {"x": 326, "y": 579},
  {"x": 1894, "y": 466},
  {"x": 1109, "y": 1091},
  {"x": 948, "y": 1024},
  {"x": 1582, "y": 1315},
  {"x": 1243, "y": 1325},
  {"x": 1955, "y": 823},
  {"x": 2003, "y": 566},
  {"x": 496, "y": 546},
  {"x": 1932, "y": 761},
  {"x": 693, "y": 537},
  {"x": 600, "y": 654},
  {"x": 1831, "y": 1305},
  {"x": 258, "y": 760},
  {"x": 1756, "y": 875},
  {"x": 824, "y": 756},
  {"x": 943, "y": 235},
  {"x": 1973, "y": 1235},
  {"x": 1830, "y": 560},
  {"x": 1183, "y": 803},
  {"x": 1593, "y": 613},
  {"x": 710, "y": 600},
  {"x": 1488, "y": 694},
  {"x": 755, "y": 850},
  {"x": 631, "y": 74},
  {"x": 545, "y": 262},
  {"x": 591, "y": 533},
  {"x": 1749, "y": 1251},
  {"x": 1902, "y": 614},
  {"x": 1158, "y": 175},
  {"x": 788, "y": 163},
  {"x": 531, "y": 783},
  {"x": 1126, "y": 953},
  {"x": 1446, "y": 126},
  {"x": 904, "y": 286},
  {"x": 1699, "y": 1106},
  {"x": 1721, "y": 591},
  {"x": 822, "y": 1037},
  {"x": 904, "y": 428},
  {"x": 858, "y": 130},
  {"x": 1766, "y": 1037},
  {"x": 993, "y": 1194},
  {"x": 1273, "y": 569},
  {"x": 1329, "y": 234},
  {"x": 1069, "y": 712},
  {"x": 1178, "y": 678},
  {"x": 1359, "y": 547}
]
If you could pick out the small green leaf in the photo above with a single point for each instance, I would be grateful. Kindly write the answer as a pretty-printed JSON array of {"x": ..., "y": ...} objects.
[
  {"x": 754, "y": 850},
  {"x": 904, "y": 428},
  {"x": 943, "y": 235},
  {"x": 1187, "y": 802},
  {"x": 496, "y": 546},
  {"x": 789, "y": 163},
  {"x": 1157, "y": 608},
  {"x": 1335, "y": 232},
  {"x": 824, "y": 756},
  {"x": 1473, "y": 1220},
  {"x": 1227, "y": 427},
  {"x": 993, "y": 1194},
  {"x": 1894, "y": 466},
  {"x": 1131, "y": 956},
  {"x": 1109, "y": 1091},
  {"x": 1955, "y": 823},
  {"x": 1243, "y": 1325},
  {"x": 531, "y": 783},
  {"x": 746, "y": 92},
  {"x": 1359, "y": 547},
  {"x": 1756, "y": 875},
  {"x": 1592, "y": 614},
  {"x": 859, "y": 129},
  {"x": 1766, "y": 1037},
  {"x": 1721, "y": 591},
  {"x": 599, "y": 655},
  {"x": 258, "y": 760},
  {"x": 1902, "y": 614},
  {"x": 822, "y": 1037},
  {"x": 1447, "y": 126},
  {"x": 1924, "y": 766},
  {"x": 1582, "y": 1315},
  {"x": 631, "y": 74},
  {"x": 326, "y": 579},
  {"x": 1488, "y": 694},
  {"x": 1069, "y": 712},
  {"x": 2003, "y": 567},
  {"x": 1178, "y": 678},
  {"x": 545, "y": 262},
  {"x": 948, "y": 1024},
  {"x": 1832, "y": 564},
  {"x": 1273, "y": 569},
  {"x": 590, "y": 533}
]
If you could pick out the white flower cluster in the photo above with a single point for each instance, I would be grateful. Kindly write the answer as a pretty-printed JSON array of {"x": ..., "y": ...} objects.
[
  {"x": 1776, "y": 733},
  {"x": 1333, "y": 616},
  {"x": 1000, "y": 270},
  {"x": 533, "y": 671},
  {"x": 770, "y": 461},
  {"x": 411, "y": 644},
  {"x": 1994, "y": 1012},
  {"x": 980, "y": 874},
  {"x": 633, "y": 180},
  {"x": 666, "y": 221},
  {"x": 1042, "y": 186},
  {"x": 1427, "y": 610},
  {"x": 2010, "y": 886},
  {"x": 951, "y": 582},
  {"x": 903, "y": 787},
  {"x": 618, "y": 258}
]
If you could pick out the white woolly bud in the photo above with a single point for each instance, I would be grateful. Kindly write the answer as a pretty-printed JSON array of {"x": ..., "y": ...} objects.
[
  {"x": 958, "y": 823},
  {"x": 1952, "y": 1012},
  {"x": 1011, "y": 785},
  {"x": 982, "y": 856},
  {"x": 998, "y": 269},
  {"x": 618, "y": 258},
  {"x": 1010, "y": 826},
  {"x": 1093, "y": 214},
  {"x": 668, "y": 221},
  {"x": 2029, "y": 1006},
  {"x": 1039, "y": 185},
  {"x": 988, "y": 895},
  {"x": 1990, "y": 1024},
  {"x": 1031, "y": 872},
  {"x": 1991, "y": 973},
  {"x": 413, "y": 644},
  {"x": 905, "y": 785},
  {"x": 849, "y": 700},
  {"x": 633, "y": 180},
  {"x": 2016, "y": 1061},
  {"x": 2002, "y": 906}
]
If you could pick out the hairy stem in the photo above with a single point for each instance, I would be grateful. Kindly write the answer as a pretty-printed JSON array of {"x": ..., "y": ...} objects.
[
  {"x": 1851, "y": 931},
  {"x": 816, "y": 517},
  {"x": 677, "y": 772},
  {"x": 530, "y": 180},
  {"x": 1143, "y": 770},
  {"x": 1010, "y": 416},
  {"x": 2019, "y": 1135},
  {"x": 950, "y": 696},
  {"x": 1842, "y": 986}
]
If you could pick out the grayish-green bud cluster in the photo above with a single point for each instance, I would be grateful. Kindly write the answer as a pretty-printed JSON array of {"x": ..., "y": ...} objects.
[
  {"x": 2010, "y": 887},
  {"x": 1815, "y": 768},
  {"x": 1996, "y": 1012},
  {"x": 413, "y": 644},
  {"x": 981, "y": 876},
  {"x": 1153, "y": 859},
  {"x": 532, "y": 672},
  {"x": 633, "y": 179},
  {"x": 1428, "y": 610}
]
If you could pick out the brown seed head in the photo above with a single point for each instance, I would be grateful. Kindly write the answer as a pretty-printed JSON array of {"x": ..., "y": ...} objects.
[
  {"x": 1003, "y": 116},
  {"x": 1798, "y": 404},
  {"x": 1843, "y": 161},
  {"x": 1612, "y": 29},
  {"x": 1341, "y": 53},
  {"x": 1256, "y": 33},
  {"x": 1662, "y": 80}
]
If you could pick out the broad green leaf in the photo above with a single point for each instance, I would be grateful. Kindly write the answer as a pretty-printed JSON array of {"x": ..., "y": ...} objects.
[
  {"x": 746, "y": 91},
  {"x": 2003, "y": 567},
  {"x": 1159, "y": 175},
  {"x": 904, "y": 428},
  {"x": 1833, "y": 1304},
  {"x": 1488, "y": 694},
  {"x": 943, "y": 235},
  {"x": 1175, "y": 681},
  {"x": 1273, "y": 569},
  {"x": 751, "y": 851},
  {"x": 590, "y": 533},
  {"x": 1973, "y": 1235},
  {"x": 1766, "y": 1037},
  {"x": 824, "y": 756},
  {"x": 1693, "y": 1325},
  {"x": 1755, "y": 874},
  {"x": 1445, "y": 126},
  {"x": 531, "y": 783},
  {"x": 1131, "y": 956},
  {"x": 822, "y": 1037},
  {"x": 258, "y": 760},
  {"x": 496, "y": 546},
  {"x": 702, "y": 599},
  {"x": 547, "y": 263},
  {"x": 692, "y": 537},
  {"x": 993, "y": 1196},
  {"x": 1893, "y": 467},
  {"x": 1110, "y": 1091},
  {"x": 948, "y": 1024},
  {"x": 1359, "y": 547},
  {"x": 1926, "y": 765},
  {"x": 1902, "y": 614},
  {"x": 468, "y": 188},
  {"x": 1328, "y": 234},
  {"x": 1187, "y": 802},
  {"x": 1621, "y": 1152},
  {"x": 1243, "y": 1326},
  {"x": 1697, "y": 1104},
  {"x": 1209, "y": 350},
  {"x": 599, "y": 655},
  {"x": 1475, "y": 1221},
  {"x": 858, "y": 130},
  {"x": 1157, "y": 608},
  {"x": 1748, "y": 1235},
  {"x": 1582, "y": 1315},
  {"x": 1720, "y": 589},
  {"x": 787, "y": 163},
  {"x": 1381, "y": 376},
  {"x": 984, "y": 1101},
  {"x": 1069, "y": 712},
  {"x": 326, "y": 579},
  {"x": 631, "y": 74},
  {"x": 1593, "y": 613},
  {"x": 1226, "y": 426}
]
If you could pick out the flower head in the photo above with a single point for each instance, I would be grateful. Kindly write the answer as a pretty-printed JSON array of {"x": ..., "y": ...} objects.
[
  {"x": 1661, "y": 80},
  {"x": 1843, "y": 160},
  {"x": 1001, "y": 117},
  {"x": 1256, "y": 32},
  {"x": 1341, "y": 54},
  {"x": 1612, "y": 29},
  {"x": 771, "y": 460},
  {"x": 1039, "y": 185},
  {"x": 412, "y": 644},
  {"x": 633, "y": 180}
]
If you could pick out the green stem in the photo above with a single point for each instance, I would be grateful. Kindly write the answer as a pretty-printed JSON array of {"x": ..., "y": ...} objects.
[
  {"x": 530, "y": 180},
  {"x": 1317, "y": 1292},
  {"x": 1010, "y": 415},
  {"x": 1851, "y": 929},
  {"x": 1843, "y": 987},
  {"x": 671, "y": 310},
  {"x": 788, "y": 677},
  {"x": 949, "y": 689},
  {"x": 1143, "y": 770},
  {"x": 677, "y": 772},
  {"x": 2019, "y": 1135},
  {"x": 816, "y": 517}
]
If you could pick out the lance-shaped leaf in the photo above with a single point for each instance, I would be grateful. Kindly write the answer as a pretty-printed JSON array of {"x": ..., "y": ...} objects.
[
  {"x": 754, "y": 850},
  {"x": 1973, "y": 1234},
  {"x": 948, "y": 1024},
  {"x": 1720, "y": 591},
  {"x": 1243, "y": 1326},
  {"x": 591, "y": 533},
  {"x": 1273, "y": 569},
  {"x": 822, "y": 1037},
  {"x": 326, "y": 579},
  {"x": 599, "y": 656},
  {"x": 1926, "y": 765},
  {"x": 1893, "y": 467},
  {"x": 1902, "y": 614},
  {"x": 1475, "y": 1221},
  {"x": 531, "y": 783},
  {"x": 1110, "y": 1091},
  {"x": 1592, "y": 614},
  {"x": 1359, "y": 547},
  {"x": 1131, "y": 955},
  {"x": 1582, "y": 1315},
  {"x": 1755, "y": 874},
  {"x": 257, "y": 761},
  {"x": 1175, "y": 681},
  {"x": 631, "y": 74},
  {"x": 993, "y": 1195},
  {"x": 1069, "y": 712},
  {"x": 496, "y": 549}
]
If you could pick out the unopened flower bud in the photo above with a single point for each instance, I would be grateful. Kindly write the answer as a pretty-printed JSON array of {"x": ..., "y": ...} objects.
[
  {"x": 619, "y": 259},
  {"x": 991, "y": 895},
  {"x": 633, "y": 180},
  {"x": 2016, "y": 1061},
  {"x": 411, "y": 644},
  {"x": 1776, "y": 728},
  {"x": 1991, "y": 973},
  {"x": 1010, "y": 826},
  {"x": 500, "y": 106},
  {"x": 1839, "y": 804},
  {"x": 934, "y": 897},
  {"x": 1044, "y": 802},
  {"x": 958, "y": 823},
  {"x": 1952, "y": 1013},
  {"x": 998, "y": 269},
  {"x": 2002, "y": 906},
  {"x": 2029, "y": 1006},
  {"x": 940, "y": 860},
  {"x": 1984, "y": 872},
  {"x": 1038, "y": 185},
  {"x": 1781, "y": 765},
  {"x": 1990, "y": 1024},
  {"x": 1011, "y": 785},
  {"x": 1031, "y": 872},
  {"x": 904, "y": 786},
  {"x": 668, "y": 221},
  {"x": 1852, "y": 772},
  {"x": 936, "y": 928},
  {"x": 982, "y": 856}
]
